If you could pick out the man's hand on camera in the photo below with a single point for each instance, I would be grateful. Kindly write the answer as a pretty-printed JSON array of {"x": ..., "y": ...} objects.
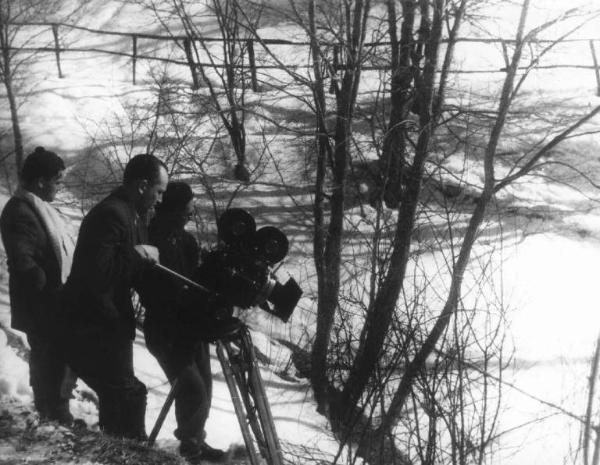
[{"x": 148, "y": 253}]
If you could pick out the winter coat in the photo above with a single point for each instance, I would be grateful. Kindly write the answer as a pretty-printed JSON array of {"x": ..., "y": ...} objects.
[
  {"x": 97, "y": 294},
  {"x": 164, "y": 297},
  {"x": 34, "y": 271}
]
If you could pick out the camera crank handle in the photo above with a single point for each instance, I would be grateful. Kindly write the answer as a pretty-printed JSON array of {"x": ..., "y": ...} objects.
[{"x": 188, "y": 281}]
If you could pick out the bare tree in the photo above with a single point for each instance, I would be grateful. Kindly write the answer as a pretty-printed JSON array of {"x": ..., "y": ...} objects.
[
  {"x": 491, "y": 186},
  {"x": 384, "y": 304},
  {"x": 333, "y": 153},
  {"x": 377, "y": 336},
  {"x": 219, "y": 67},
  {"x": 417, "y": 88},
  {"x": 17, "y": 52}
]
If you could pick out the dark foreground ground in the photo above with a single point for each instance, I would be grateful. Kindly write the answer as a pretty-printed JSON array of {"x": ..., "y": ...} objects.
[{"x": 26, "y": 440}]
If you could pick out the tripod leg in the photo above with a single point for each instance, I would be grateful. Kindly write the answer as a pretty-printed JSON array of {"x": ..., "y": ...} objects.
[
  {"x": 246, "y": 373},
  {"x": 266, "y": 418},
  {"x": 257, "y": 391},
  {"x": 231, "y": 380},
  {"x": 163, "y": 412}
]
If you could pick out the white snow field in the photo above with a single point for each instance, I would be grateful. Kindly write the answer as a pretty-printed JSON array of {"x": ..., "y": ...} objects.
[{"x": 550, "y": 277}]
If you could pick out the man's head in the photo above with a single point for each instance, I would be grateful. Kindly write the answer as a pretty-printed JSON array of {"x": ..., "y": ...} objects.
[
  {"x": 42, "y": 173},
  {"x": 146, "y": 178},
  {"x": 177, "y": 206}
]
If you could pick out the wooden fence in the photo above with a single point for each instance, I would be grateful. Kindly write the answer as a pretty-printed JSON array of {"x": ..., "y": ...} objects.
[{"x": 186, "y": 43}]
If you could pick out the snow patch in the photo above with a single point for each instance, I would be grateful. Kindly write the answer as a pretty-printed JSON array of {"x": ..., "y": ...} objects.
[{"x": 14, "y": 373}]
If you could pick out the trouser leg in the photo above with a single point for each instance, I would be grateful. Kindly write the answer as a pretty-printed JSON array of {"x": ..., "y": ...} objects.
[
  {"x": 202, "y": 357},
  {"x": 191, "y": 405},
  {"x": 106, "y": 365},
  {"x": 51, "y": 379},
  {"x": 122, "y": 410},
  {"x": 193, "y": 398}
]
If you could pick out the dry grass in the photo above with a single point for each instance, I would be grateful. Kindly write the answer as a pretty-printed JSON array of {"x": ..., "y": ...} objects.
[{"x": 24, "y": 439}]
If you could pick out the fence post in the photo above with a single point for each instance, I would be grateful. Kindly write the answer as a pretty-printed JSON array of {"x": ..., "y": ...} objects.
[
  {"x": 57, "y": 49},
  {"x": 505, "y": 55},
  {"x": 251, "y": 59},
  {"x": 187, "y": 45},
  {"x": 134, "y": 57},
  {"x": 596, "y": 70}
]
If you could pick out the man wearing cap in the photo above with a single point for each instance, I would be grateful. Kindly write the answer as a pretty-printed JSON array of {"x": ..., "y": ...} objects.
[
  {"x": 174, "y": 331},
  {"x": 39, "y": 252}
]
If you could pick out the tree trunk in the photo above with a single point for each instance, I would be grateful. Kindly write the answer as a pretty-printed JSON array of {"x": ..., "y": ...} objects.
[
  {"x": 329, "y": 279},
  {"x": 328, "y": 257},
  {"x": 394, "y": 143},
  {"x": 16, "y": 128},
  {"x": 379, "y": 317},
  {"x": 237, "y": 133},
  {"x": 6, "y": 73},
  {"x": 319, "y": 378},
  {"x": 450, "y": 306}
]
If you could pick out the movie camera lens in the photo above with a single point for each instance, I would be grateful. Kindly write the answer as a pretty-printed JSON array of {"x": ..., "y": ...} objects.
[{"x": 271, "y": 244}]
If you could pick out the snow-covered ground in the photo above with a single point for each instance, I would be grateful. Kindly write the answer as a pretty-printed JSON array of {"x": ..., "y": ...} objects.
[{"x": 549, "y": 277}]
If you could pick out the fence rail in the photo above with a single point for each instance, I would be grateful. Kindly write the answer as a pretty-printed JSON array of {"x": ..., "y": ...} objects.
[
  {"x": 266, "y": 41},
  {"x": 186, "y": 42}
]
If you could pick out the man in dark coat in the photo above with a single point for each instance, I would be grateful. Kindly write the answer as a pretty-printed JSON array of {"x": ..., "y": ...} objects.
[
  {"x": 39, "y": 248},
  {"x": 174, "y": 325},
  {"x": 109, "y": 255}
]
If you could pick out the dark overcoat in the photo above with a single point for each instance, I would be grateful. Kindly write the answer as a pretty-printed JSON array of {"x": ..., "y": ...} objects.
[
  {"x": 163, "y": 296},
  {"x": 105, "y": 265},
  {"x": 34, "y": 271}
]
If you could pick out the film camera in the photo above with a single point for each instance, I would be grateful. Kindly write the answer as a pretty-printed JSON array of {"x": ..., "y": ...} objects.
[
  {"x": 239, "y": 272},
  {"x": 240, "y": 269}
]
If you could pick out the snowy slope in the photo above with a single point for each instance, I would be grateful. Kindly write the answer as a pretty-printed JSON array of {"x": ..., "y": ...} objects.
[{"x": 550, "y": 277}]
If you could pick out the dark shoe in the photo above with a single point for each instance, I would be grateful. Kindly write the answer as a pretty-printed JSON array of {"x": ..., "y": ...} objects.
[
  {"x": 211, "y": 454},
  {"x": 190, "y": 450},
  {"x": 193, "y": 459},
  {"x": 59, "y": 413},
  {"x": 63, "y": 417},
  {"x": 194, "y": 453}
]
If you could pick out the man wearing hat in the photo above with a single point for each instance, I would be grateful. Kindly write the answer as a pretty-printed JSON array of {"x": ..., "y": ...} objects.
[
  {"x": 39, "y": 253},
  {"x": 178, "y": 324}
]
